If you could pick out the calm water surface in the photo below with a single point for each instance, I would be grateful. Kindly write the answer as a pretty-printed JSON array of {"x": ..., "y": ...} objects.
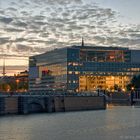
[{"x": 112, "y": 124}]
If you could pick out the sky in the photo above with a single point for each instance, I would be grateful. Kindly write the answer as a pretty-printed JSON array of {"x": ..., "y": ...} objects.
[{"x": 30, "y": 27}]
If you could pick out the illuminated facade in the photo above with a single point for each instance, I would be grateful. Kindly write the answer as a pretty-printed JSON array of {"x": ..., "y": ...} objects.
[{"x": 83, "y": 68}]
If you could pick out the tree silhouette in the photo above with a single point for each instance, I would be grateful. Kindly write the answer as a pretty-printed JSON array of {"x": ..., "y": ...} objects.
[{"x": 135, "y": 83}]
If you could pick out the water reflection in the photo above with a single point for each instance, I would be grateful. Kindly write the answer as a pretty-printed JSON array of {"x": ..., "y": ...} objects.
[{"x": 114, "y": 123}]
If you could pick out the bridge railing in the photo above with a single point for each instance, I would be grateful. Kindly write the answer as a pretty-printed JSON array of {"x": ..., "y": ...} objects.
[
  {"x": 135, "y": 97},
  {"x": 135, "y": 94},
  {"x": 54, "y": 93}
]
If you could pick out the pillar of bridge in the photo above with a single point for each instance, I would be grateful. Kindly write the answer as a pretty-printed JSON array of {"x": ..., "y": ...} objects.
[{"x": 2, "y": 105}]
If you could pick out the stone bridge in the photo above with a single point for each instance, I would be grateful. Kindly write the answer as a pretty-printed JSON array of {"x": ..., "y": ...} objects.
[{"x": 32, "y": 104}]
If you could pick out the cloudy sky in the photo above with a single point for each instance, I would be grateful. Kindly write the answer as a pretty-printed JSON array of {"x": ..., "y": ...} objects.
[{"x": 29, "y": 27}]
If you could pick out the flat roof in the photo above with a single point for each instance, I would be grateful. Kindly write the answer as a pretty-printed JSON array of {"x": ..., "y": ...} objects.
[
  {"x": 83, "y": 48},
  {"x": 101, "y": 47}
]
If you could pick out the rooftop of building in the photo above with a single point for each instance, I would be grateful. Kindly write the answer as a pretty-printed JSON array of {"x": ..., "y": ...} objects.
[{"x": 95, "y": 47}]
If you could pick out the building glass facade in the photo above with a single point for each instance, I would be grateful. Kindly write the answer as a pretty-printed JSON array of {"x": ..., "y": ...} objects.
[{"x": 83, "y": 68}]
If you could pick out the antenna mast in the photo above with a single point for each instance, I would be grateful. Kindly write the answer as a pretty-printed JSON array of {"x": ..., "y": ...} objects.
[
  {"x": 82, "y": 42},
  {"x": 3, "y": 72}
]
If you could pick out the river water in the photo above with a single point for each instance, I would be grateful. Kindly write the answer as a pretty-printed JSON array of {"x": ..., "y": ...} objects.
[{"x": 112, "y": 124}]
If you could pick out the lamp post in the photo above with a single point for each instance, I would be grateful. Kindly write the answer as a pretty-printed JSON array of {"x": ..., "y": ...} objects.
[
  {"x": 132, "y": 95},
  {"x": 17, "y": 82}
]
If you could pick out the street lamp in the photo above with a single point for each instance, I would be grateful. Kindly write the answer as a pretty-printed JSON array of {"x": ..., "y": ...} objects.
[
  {"x": 132, "y": 88},
  {"x": 17, "y": 82}
]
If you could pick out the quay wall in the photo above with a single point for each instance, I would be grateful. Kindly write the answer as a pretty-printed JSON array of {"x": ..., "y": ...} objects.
[
  {"x": 84, "y": 103},
  {"x": 11, "y": 105},
  {"x": 34, "y": 104}
]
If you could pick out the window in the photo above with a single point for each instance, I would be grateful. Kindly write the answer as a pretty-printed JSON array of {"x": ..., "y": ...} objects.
[
  {"x": 69, "y": 72},
  {"x": 76, "y": 72}
]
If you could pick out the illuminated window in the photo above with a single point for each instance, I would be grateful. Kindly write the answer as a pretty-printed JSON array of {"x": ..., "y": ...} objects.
[
  {"x": 69, "y": 72},
  {"x": 70, "y": 63},
  {"x": 76, "y": 72},
  {"x": 75, "y": 64}
]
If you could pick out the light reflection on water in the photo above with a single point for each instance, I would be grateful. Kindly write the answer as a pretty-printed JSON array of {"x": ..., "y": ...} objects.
[{"x": 114, "y": 123}]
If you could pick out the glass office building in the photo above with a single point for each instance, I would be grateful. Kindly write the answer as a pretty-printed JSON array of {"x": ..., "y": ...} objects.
[{"x": 83, "y": 68}]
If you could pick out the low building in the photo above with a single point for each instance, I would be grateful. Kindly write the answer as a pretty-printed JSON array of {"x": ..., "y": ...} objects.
[
  {"x": 21, "y": 81},
  {"x": 16, "y": 83},
  {"x": 83, "y": 68}
]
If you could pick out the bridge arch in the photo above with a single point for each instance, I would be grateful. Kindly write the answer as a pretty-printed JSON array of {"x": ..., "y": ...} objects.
[{"x": 35, "y": 106}]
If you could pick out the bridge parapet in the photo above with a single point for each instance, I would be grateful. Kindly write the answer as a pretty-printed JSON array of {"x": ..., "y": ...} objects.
[
  {"x": 135, "y": 97},
  {"x": 33, "y": 104}
]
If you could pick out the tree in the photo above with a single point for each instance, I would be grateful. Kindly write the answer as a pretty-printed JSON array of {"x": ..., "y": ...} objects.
[{"x": 135, "y": 83}]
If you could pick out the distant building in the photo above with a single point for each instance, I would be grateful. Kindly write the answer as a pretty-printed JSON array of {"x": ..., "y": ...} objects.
[
  {"x": 83, "y": 68},
  {"x": 18, "y": 83},
  {"x": 22, "y": 80},
  {"x": 22, "y": 75}
]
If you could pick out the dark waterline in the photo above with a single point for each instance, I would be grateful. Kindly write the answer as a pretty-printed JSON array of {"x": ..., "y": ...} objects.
[{"x": 111, "y": 124}]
